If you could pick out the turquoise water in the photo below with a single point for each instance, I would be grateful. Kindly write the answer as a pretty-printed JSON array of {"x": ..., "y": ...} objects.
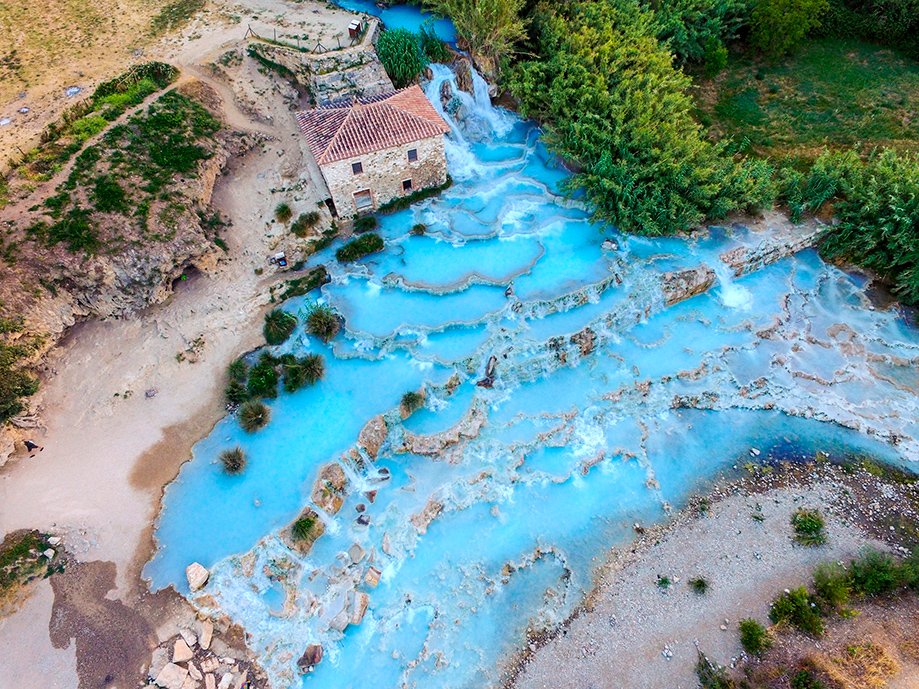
[
  {"x": 401, "y": 17},
  {"x": 558, "y": 459}
]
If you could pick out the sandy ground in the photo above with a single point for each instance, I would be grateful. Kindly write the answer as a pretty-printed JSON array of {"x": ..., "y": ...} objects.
[
  {"x": 634, "y": 634},
  {"x": 110, "y": 449}
]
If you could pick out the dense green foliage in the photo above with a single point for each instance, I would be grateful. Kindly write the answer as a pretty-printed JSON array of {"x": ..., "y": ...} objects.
[
  {"x": 803, "y": 679},
  {"x": 304, "y": 223},
  {"x": 888, "y": 22},
  {"x": 831, "y": 584},
  {"x": 694, "y": 29},
  {"x": 780, "y": 25},
  {"x": 233, "y": 460},
  {"x": 799, "y": 608},
  {"x": 490, "y": 28},
  {"x": 278, "y": 326},
  {"x": 360, "y": 247},
  {"x": 322, "y": 322},
  {"x": 62, "y": 139},
  {"x": 300, "y": 371},
  {"x": 263, "y": 377},
  {"x": 21, "y": 559},
  {"x": 434, "y": 49},
  {"x": 303, "y": 528},
  {"x": 402, "y": 202},
  {"x": 613, "y": 104},
  {"x": 754, "y": 637},
  {"x": 365, "y": 223},
  {"x": 302, "y": 285},
  {"x": 809, "y": 526},
  {"x": 16, "y": 382},
  {"x": 253, "y": 415},
  {"x": 412, "y": 402},
  {"x": 137, "y": 160},
  {"x": 402, "y": 56}
]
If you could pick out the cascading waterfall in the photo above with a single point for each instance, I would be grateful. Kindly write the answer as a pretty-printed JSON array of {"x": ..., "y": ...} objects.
[{"x": 487, "y": 511}]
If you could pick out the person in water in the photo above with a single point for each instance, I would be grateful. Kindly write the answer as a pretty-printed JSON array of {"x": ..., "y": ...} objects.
[{"x": 31, "y": 447}]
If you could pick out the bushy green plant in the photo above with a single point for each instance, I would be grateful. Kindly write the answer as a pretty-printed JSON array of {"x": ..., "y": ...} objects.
[
  {"x": 304, "y": 223},
  {"x": 253, "y": 415},
  {"x": 300, "y": 371},
  {"x": 798, "y": 608},
  {"x": 779, "y": 26},
  {"x": 365, "y": 223},
  {"x": 303, "y": 528},
  {"x": 418, "y": 229},
  {"x": 711, "y": 675},
  {"x": 663, "y": 582},
  {"x": 754, "y": 637},
  {"x": 874, "y": 573},
  {"x": 401, "y": 54},
  {"x": 803, "y": 679},
  {"x": 16, "y": 382},
  {"x": 412, "y": 401},
  {"x": 491, "y": 28},
  {"x": 263, "y": 377},
  {"x": 278, "y": 326},
  {"x": 283, "y": 212},
  {"x": 322, "y": 322},
  {"x": 360, "y": 247},
  {"x": 693, "y": 29},
  {"x": 809, "y": 526},
  {"x": 434, "y": 49},
  {"x": 699, "y": 585},
  {"x": 233, "y": 460},
  {"x": 831, "y": 584}
]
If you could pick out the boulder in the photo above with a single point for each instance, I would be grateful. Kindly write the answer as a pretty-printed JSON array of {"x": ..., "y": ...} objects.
[
  {"x": 190, "y": 637},
  {"x": 209, "y": 681},
  {"x": 683, "y": 284},
  {"x": 190, "y": 683},
  {"x": 172, "y": 676},
  {"x": 329, "y": 487},
  {"x": 194, "y": 672},
  {"x": 586, "y": 340},
  {"x": 463, "y": 70},
  {"x": 181, "y": 652},
  {"x": 311, "y": 657},
  {"x": 159, "y": 661},
  {"x": 356, "y": 553},
  {"x": 197, "y": 576},
  {"x": 225, "y": 681}
]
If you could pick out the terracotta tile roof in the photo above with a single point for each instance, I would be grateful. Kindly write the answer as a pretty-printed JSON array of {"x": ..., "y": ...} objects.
[{"x": 350, "y": 127}]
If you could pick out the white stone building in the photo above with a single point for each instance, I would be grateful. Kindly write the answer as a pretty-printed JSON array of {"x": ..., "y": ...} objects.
[{"x": 374, "y": 149}]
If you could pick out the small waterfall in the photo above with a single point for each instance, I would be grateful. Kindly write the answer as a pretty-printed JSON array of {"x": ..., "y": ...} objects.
[
  {"x": 471, "y": 118},
  {"x": 732, "y": 295}
]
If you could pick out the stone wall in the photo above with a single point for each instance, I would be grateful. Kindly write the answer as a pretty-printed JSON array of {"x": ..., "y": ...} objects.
[{"x": 384, "y": 172}]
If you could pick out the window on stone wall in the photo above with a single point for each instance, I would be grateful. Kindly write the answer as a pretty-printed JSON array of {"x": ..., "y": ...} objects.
[
  {"x": 407, "y": 185},
  {"x": 413, "y": 155},
  {"x": 357, "y": 168}
]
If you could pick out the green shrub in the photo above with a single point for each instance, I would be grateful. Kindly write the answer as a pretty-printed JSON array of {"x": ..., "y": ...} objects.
[
  {"x": 401, "y": 54},
  {"x": 716, "y": 57},
  {"x": 809, "y": 527},
  {"x": 253, "y": 415},
  {"x": 233, "y": 460},
  {"x": 690, "y": 28},
  {"x": 874, "y": 573},
  {"x": 365, "y": 223},
  {"x": 360, "y": 247},
  {"x": 283, "y": 213},
  {"x": 754, "y": 637},
  {"x": 299, "y": 286},
  {"x": 779, "y": 26},
  {"x": 303, "y": 528},
  {"x": 301, "y": 371},
  {"x": 418, "y": 229},
  {"x": 434, "y": 49},
  {"x": 663, "y": 582},
  {"x": 108, "y": 195},
  {"x": 491, "y": 28},
  {"x": 304, "y": 223},
  {"x": 699, "y": 585},
  {"x": 278, "y": 326},
  {"x": 236, "y": 392},
  {"x": 238, "y": 370},
  {"x": 612, "y": 103},
  {"x": 798, "y": 608},
  {"x": 322, "y": 322},
  {"x": 412, "y": 401},
  {"x": 831, "y": 584},
  {"x": 402, "y": 202},
  {"x": 803, "y": 679},
  {"x": 263, "y": 377},
  {"x": 712, "y": 675},
  {"x": 15, "y": 381},
  {"x": 87, "y": 127}
]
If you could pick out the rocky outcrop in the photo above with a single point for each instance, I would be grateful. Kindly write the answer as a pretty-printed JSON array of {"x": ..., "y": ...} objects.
[
  {"x": 586, "y": 341},
  {"x": 311, "y": 657},
  {"x": 679, "y": 285},
  {"x": 780, "y": 238},
  {"x": 432, "y": 445},
  {"x": 329, "y": 488},
  {"x": 372, "y": 436}
]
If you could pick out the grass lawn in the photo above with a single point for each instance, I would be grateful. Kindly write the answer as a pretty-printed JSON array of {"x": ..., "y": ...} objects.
[{"x": 831, "y": 93}]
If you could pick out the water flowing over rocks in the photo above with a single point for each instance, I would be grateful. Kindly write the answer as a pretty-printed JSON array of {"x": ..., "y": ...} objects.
[{"x": 618, "y": 380}]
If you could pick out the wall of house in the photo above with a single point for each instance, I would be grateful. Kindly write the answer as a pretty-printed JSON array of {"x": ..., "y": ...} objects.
[{"x": 384, "y": 172}]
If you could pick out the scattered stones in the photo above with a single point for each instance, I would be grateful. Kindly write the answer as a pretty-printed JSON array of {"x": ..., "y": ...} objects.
[
  {"x": 667, "y": 653},
  {"x": 181, "y": 651},
  {"x": 172, "y": 676},
  {"x": 311, "y": 657},
  {"x": 197, "y": 576}
]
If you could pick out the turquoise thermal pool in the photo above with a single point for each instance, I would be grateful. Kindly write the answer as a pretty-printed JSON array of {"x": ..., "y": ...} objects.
[{"x": 627, "y": 373}]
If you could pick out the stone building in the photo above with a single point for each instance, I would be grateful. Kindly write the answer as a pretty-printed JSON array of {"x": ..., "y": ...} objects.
[{"x": 372, "y": 149}]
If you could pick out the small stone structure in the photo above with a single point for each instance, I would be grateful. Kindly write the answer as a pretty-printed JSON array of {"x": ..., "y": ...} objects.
[{"x": 373, "y": 149}]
